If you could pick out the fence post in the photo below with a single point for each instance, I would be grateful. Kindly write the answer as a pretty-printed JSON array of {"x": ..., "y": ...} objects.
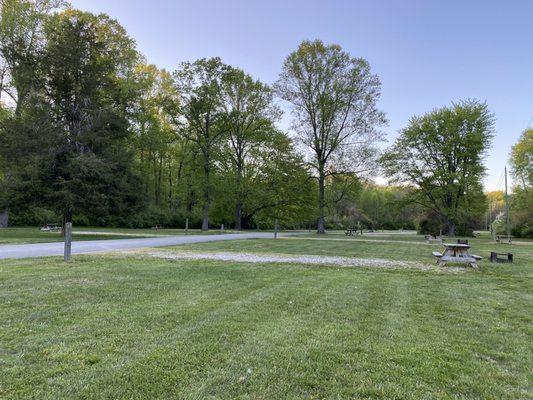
[
  {"x": 68, "y": 240},
  {"x": 276, "y": 227},
  {"x": 186, "y": 225}
]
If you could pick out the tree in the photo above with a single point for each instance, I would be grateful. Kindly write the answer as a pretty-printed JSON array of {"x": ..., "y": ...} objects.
[
  {"x": 248, "y": 115},
  {"x": 277, "y": 182},
  {"x": 441, "y": 155},
  {"x": 522, "y": 198},
  {"x": 4, "y": 194},
  {"x": 73, "y": 128},
  {"x": 334, "y": 99},
  {"x": 21, "y": 44},
  {"x": 522, "y": 160},
  {"x": 199, "y": 116},
  {"x": 155, "y": 136}
]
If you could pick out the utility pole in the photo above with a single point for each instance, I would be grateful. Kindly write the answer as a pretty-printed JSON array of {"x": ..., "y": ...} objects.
[{"x": 507, "y": 225}]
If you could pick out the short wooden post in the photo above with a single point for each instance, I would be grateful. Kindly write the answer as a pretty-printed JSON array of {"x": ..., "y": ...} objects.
[
  {"x": 222, "y": 228},
  {"x": 276, "y": 227},
  {"x": 186, "y": 225},
  {"x": 68, "y": 240}
]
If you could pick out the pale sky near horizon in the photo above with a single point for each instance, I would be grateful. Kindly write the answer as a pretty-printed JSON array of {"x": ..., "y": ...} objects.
[{"x": 426, "y": 53}]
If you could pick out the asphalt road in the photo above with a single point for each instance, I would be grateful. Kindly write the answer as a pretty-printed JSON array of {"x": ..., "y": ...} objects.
[{"x": 95, "y": 246}]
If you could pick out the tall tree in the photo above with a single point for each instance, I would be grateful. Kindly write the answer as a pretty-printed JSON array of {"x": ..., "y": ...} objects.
[
  {"x": 74, "y": 127},
  {"x": 441, "y": 155},
  {"x": 155, "y": 136},
  {"x": 248, "y": 114},
  {"x": 5, "y": 114},
  {"x": 277, "y": 183},
  {"x": 21, "y": 46},
  {"x": 334, "y": 98},
  {"x": 199, "y": 115}
]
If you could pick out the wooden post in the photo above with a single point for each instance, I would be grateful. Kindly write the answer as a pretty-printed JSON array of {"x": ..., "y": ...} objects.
[
  {"x": 276, "y": 227},
  {"x": 68, "y": 240},
  {"x": 222, "y": 228},
  {"x": 186, "y": 225}
]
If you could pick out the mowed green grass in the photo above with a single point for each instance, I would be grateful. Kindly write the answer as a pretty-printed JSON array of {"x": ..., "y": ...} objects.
[
  {"x": 120, "y": 327},
  {"x": 413, "y": 249},
  {"x": 22, "y": 235},
  {"x": 34, "y": 235}
]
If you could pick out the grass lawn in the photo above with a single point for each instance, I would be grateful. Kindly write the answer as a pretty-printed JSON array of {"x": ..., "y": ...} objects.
[
  {"x": 127, "y": 327},
  {"x": 22, "y": 235},
  {"x": 412, "y": 249},
  {"x": 34, "y": 235}
]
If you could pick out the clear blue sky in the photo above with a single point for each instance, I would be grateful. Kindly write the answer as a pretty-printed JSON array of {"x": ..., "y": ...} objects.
[{"x": 427, "y": 53}]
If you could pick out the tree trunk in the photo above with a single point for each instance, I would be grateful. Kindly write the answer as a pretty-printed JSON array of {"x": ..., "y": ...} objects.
[
  {"x": 238, "y": 205},
  {"x": 205, "y": 218},
  {"x": 170, "y": 208},
  {"x": 238, "y": 216},
  {"x": 158, "y": 169},
  {"x": 4, "y": 219},
  {"x": 451, "y": 229},
  {"x": 67, "y": 217},
  {"x": 321, "y": 228}
]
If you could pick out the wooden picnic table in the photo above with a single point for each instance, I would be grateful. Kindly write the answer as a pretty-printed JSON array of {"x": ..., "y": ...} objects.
[
  {"x": 456, "y": 253},
  {"x": 353, "y": 231}
]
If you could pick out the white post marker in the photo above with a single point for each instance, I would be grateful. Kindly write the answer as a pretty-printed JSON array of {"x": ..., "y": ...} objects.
[{"x": 68, "y": 240}]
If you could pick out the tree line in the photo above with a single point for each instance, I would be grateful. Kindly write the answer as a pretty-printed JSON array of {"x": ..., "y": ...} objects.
[{"x": 92, "y": 133}]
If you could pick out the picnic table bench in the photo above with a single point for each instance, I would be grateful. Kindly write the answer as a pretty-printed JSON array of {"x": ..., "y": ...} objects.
[
  {"x": 456, "y": 253},
  {"x": 508, "y": 257}
]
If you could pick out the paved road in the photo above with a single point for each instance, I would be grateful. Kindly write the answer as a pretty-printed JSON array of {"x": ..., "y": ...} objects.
[{"x": 94, "y": 246}]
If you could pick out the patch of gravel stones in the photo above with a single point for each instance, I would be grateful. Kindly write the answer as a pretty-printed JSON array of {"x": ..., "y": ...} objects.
[{"x": 303, "y": 259}]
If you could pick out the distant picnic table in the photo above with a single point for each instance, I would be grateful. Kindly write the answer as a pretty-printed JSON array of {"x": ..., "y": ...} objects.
[
  {"x": 353, "y": 231},
  {"x": 434, "y": 239},
  {"x": 456, "y": 253},
  {"x": 504, "y": 238},
  {"x": 51, "y": 228}
]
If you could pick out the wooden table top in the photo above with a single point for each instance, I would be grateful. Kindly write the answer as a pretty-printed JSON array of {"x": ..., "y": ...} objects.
[{"x": 457, "y": 245}]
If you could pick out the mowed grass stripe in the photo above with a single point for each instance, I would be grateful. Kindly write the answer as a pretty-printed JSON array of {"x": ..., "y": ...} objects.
[{"x": 110, "y": 327}]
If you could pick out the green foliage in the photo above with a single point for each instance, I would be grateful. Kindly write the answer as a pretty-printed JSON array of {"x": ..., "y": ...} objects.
[
  {"x": 522, "y": 160},
  {"x": 441, "y": 155},
  {"x": 73, "y": 127},
  {"x": 334, "y": 103},
  {"x": 107, "y": 139},
  {"x": 522, "y": 196}
]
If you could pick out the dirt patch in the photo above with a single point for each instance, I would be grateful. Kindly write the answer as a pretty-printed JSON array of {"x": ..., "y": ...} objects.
[{"x": 333, "y": 261}]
